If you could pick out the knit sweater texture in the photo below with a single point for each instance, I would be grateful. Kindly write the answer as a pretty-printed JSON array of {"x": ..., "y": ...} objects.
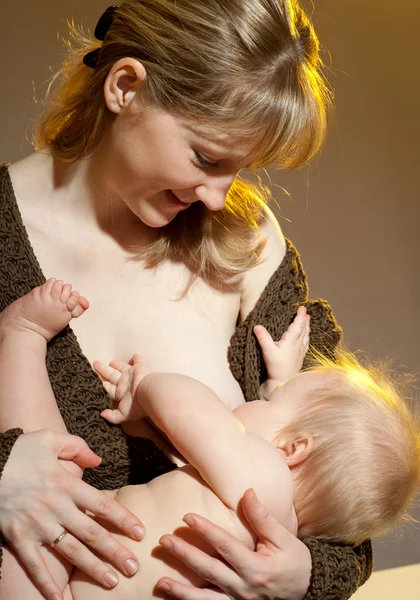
[{"x": 337, "y": 570}]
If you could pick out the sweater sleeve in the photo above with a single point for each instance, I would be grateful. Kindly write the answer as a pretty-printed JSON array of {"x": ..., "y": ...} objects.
[
  {"x": 7, "y": 441},
  {"x": 337, "y": 570}
]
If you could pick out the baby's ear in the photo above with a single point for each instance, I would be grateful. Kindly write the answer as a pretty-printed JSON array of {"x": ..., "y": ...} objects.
[{"x": 295, "y": 450}]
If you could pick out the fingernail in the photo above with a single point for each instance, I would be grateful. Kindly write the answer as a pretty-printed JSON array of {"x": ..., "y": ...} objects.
[
  {"x": 130, "y": 566},
  {"x": 253, "y": 496},
  {"x": 190, "y": 521},
  {"x": 165, "y": 587},
  {"x": 166, "y": 544},
  {"x": 111, "y": 580},
  {"x": 139, "y": 532}
]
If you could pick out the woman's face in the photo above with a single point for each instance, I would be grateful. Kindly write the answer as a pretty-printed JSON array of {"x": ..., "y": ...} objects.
[{"x": 158, "y": 164}]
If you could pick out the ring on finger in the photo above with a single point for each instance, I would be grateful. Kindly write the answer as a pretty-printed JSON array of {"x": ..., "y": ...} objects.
[{"x": 59, "y": 538}]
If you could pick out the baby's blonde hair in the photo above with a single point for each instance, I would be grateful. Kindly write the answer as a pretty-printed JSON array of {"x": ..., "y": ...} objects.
[
  {"x": 364, "y": 470},
  {"x": 250, "y": 67}
]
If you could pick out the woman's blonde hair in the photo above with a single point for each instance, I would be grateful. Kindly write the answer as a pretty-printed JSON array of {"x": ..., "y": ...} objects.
[
  {"x": 251, "y": 67},
  {"x": 364, "y": 470}
]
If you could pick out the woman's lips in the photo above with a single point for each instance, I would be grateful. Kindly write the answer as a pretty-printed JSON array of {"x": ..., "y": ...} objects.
[{"x": 175, "y": 201}]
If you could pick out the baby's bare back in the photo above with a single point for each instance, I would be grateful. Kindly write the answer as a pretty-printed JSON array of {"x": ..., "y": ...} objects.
[{"x": 160, "y": 505}]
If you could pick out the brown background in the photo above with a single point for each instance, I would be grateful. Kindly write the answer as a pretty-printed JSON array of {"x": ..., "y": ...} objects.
[{"x": 353, "y": 214}]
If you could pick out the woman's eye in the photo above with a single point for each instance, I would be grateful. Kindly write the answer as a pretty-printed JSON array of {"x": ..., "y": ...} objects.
[{"x": 202, "y": 162}]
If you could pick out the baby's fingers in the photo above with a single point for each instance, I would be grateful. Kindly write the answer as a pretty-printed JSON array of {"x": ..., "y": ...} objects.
[
  {"x": 264, "y": 338},
  {"x": 113, "y": 416},
  {"x": 269, "y": 348},
  {"x": 107, "y": 372},
  {"x": 111, "y": 389}
]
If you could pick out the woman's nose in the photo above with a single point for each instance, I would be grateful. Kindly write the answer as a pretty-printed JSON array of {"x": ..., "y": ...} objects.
[{"x": 213, "y": 192}]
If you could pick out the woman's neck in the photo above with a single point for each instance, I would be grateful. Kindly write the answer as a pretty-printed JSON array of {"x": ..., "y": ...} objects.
[{"x": 81, "y": 191}]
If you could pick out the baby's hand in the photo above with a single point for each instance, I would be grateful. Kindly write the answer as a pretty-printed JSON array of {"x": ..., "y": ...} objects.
[
  {"x": 121, "y": 380},
  {"x": 284, "y": 358}
]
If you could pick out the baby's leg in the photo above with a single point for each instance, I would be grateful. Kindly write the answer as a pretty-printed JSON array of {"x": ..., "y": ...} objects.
[
  {"x": 26, "y": 397},
  {"x": 16, "y": 583}
]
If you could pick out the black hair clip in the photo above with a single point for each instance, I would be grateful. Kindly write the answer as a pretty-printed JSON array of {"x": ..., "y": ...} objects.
[
  {"x": 105, "y": 23},
  {"x": 101, "y": 29}
]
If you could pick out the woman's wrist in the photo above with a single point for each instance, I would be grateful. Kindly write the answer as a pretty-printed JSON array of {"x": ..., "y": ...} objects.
[{"x": 7, "y": 441}]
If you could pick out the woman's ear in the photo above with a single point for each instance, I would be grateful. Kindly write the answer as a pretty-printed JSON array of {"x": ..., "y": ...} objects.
[
  {"x": 295, "y": 451},
  {"x": 125, "y": 79}
]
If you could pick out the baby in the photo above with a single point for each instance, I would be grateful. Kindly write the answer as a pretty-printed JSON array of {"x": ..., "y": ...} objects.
[{"x": 333, "y": 453}]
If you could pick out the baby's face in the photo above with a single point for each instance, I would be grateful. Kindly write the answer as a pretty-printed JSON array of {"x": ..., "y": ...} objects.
[
  {"x": 266, "y": 418},
  {"x": 287, "y": 398}
]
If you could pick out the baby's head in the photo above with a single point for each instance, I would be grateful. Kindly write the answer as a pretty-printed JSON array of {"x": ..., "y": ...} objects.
[{"x": 363, "y": 464}]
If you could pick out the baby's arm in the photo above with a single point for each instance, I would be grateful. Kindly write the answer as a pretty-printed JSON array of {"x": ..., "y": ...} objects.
[
  {"x": 213, "y": 440},
  {"x": 284, "y": 358}
]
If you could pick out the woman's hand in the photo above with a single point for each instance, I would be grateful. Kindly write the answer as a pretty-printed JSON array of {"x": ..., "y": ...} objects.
[
  {"x": 39, "y": 499},
  {"x": 279, "y": 568}
]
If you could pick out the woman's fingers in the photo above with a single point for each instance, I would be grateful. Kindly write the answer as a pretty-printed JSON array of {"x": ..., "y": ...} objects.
[
  {"x": 106, "y": 508},
  {"x": 264, "y": 525},
  {"x": 188, "y": 592},
  {"x": 93, "y": 535},
  {"x": 35, "y": 566},
  {"x": 68, "y": 447},
  {"x": 46, "y": 499},
  {"x": 81, "y": 557},
  {"x": 209, "y": 568},
  {"x": 279, "y": 568}
]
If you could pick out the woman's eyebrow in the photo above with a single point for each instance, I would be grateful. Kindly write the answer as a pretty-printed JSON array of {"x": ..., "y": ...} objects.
[{"x": 219, "y": 152}]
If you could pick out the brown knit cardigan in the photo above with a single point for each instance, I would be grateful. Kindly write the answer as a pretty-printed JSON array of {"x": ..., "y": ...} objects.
[{"x": 337, "y": 570}]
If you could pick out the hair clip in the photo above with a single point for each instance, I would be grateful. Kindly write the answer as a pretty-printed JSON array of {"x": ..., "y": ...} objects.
[
  {"x": 105, "y": 23},
  {"x": 91, "y": 58}
]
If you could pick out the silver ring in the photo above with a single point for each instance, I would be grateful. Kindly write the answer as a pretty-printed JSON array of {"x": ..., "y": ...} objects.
[{"x": 59, "y": 538}]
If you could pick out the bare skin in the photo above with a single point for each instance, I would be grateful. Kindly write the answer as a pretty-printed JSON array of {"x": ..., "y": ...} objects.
[{"x": 39, "y": 316}]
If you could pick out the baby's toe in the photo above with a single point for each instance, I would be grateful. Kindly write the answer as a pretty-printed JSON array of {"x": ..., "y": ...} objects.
[
  {"x": 56, "y": 289},
  {"x": 65, "y": 293},
  {"x": 81, "y": 305},
  {"x": 73, "y": 300}
]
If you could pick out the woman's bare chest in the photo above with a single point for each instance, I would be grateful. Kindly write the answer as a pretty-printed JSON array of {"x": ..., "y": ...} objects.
[{"x": 133, "y": 309}]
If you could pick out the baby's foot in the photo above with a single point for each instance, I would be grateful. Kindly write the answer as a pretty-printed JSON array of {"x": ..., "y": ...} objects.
[
  {"x": 46, "y": 310},
  {"x": 284, "y": 358}
]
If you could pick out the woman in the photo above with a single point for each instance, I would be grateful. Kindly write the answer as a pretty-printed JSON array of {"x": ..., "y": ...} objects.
[{"x": 133, "y": 196}]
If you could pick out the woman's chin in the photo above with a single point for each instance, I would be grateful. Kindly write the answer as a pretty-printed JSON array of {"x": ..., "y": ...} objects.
[{"x": 157, "y": 220}]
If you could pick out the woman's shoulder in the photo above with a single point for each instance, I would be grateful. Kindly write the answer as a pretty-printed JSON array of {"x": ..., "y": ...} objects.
[
  {"x": 28, "y": 175},
  {"x": 256, "y": 279}
]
